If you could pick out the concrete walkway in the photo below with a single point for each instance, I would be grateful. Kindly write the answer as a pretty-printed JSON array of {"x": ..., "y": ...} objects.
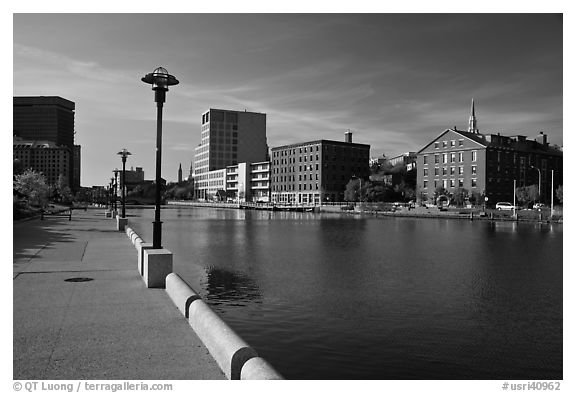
[{"x": 111, "y": 327}]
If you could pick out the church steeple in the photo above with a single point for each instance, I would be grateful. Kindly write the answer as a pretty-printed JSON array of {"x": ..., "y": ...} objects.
[
  {"x": 180, "y": 174},
  {"x": 472, "y": 126}
]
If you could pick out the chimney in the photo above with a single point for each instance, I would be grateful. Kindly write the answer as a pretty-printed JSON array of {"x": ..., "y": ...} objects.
[
  {"x": 543, "y": 138},
  {"x": 348, "y": 137}
]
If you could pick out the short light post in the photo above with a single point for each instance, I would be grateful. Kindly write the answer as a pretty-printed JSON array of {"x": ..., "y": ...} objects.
[
  {"x": 124, "y": 153},
  {"x": 160, "y": 80}
]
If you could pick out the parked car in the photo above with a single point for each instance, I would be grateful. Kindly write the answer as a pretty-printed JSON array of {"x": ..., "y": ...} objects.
[
  {"x": 538, "y": 206},
  {"x": 504, "y": 206}
]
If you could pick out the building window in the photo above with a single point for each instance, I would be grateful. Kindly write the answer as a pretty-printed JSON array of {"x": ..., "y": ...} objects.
[
  {"x": 474, "y": 155},
  {"x": 473, "y": 182},
  {"x": 452, "y": 157},
  {"x": 436, "y": 145},
  {"x": 452, "y": 170},
  {"x": 444, "y": 144},
  {"x": 436, "y": 158},
  {"x": 473, "y": 169},
  {"x": 425, "y": 184},
  {"x": 461, "y": 157},
  {"x": 452, "y": 143},
  {"x": 460, "y": 170},
  {"x": 436, "y": 171},
  {"x": 425, "y": 172},
  {"x": 444, "y": 158},
  {"x": 461, "y": 142},
  {"x": 425, "y": 160},
  {"x": 452, "y": 183},
  {"x": 444, "y": 171},
  {"x": 460, "y": 182}
]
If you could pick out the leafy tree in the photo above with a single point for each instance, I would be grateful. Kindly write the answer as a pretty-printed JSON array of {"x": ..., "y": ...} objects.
[
  {"x": 526, "y": 195},
  {"x": 32, "y": 185},
  {"x": 351, "y": 194},
  {"x": 560, "y": 194},
  {"x": 460, "y": 195},
  {"x": 60, "y": 192}
]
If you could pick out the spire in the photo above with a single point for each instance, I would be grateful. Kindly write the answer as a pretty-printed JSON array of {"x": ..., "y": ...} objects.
[
  {"x": 472, "y": 125},
  {"x": 180, "y": 173}
]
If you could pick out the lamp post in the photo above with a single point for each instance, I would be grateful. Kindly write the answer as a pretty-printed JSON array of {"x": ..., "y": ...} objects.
[
  {"x": 124, "y": 154},
  {"x": 539, "y": 180},
  {"x": 111, "y": 191},
  {"x": 160, "y": 80},
  {"x": 552, "y": 198},
  {"x": 116, "y": 190}
]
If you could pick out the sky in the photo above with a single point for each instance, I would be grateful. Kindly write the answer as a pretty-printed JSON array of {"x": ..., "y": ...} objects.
[{"x": 395, "y": 80}]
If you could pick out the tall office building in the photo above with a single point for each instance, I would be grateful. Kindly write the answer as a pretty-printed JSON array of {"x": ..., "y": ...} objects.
[
  {"x": 230, "y": 137},
  {"x": 44, "y": 119},
  {"x": 41, "y": 120}
]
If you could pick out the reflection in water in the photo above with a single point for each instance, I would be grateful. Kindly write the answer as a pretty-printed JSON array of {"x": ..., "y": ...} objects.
[{"x": 231, "y": 288}]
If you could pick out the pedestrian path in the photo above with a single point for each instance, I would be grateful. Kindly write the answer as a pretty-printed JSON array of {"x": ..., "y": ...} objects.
[{"x": 82, "y": 311}]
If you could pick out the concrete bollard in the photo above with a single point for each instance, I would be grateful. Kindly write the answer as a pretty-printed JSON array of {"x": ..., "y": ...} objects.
[
  {"x": 140, "y": 248},
  {"x": 133, "y": 237},
  {"x": 129, "y": 231},
  {"x": 258, "y": 368},
  {"x": 225, "y": 346},
  {"x": 157, "y": 264},
  {"x": 121, "y": 223},
  {"x": 180, "y": 292}
]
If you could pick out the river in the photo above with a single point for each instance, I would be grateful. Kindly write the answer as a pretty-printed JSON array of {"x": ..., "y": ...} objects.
[{"x": 324, "y": 296}]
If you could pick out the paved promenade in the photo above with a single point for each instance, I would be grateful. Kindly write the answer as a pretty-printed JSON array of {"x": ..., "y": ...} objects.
[{"x": 111, "y": 327}]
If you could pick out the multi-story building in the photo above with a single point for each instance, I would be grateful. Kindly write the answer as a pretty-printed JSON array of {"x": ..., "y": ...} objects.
[
  {"x": 133, "y": 178},
  {"x": 317, "y": 171},
  {"x": 407, "y": 159},
  {"x": 45, "y": 157},
  {"x": 229, "y": 137},
  {"x": 243, "y": 182},
  {"x": 487, "y": 164},
  {"x": 49, "y": 119}
]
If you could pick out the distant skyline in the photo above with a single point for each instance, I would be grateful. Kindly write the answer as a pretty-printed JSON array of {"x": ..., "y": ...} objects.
[{"x": 395, "y": 80}]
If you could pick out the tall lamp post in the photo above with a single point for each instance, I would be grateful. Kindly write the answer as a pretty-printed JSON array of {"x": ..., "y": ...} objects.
[
  {"x": 539, "y": 180},
  {"x": 124, "y": 153},
  {"x": 160, "y": 80},
  {"x": 115, "y": 190}
]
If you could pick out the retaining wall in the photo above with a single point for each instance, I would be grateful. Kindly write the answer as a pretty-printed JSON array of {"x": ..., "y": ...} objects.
[{"x": 234, "y": 356}]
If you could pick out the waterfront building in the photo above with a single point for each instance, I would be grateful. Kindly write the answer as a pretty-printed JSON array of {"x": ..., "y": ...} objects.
[
  {"x": 243, "y": 182},
  {"x": 317, "y": 171},
  {"x": 133, "y": 178},
  {"x": 49, "y": 119},
  {"x": 486, "y": 165},
  {"x": 229, "y": 137},
  {"x": 44, "y": 157},
  {"x": 407, "y": 159}
]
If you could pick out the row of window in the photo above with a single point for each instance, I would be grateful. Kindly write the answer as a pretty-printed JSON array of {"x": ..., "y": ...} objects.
[
  {"x": 450, "y": 183},
  {"x": 292, "y": 187},
  {"x": 473, "y": 157},
  {"x": 452, "y": 143},
  {"x": 473, "y": 170}
]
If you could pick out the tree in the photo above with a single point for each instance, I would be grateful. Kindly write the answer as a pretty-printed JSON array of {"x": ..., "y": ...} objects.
[
  {"x": 352, "y": 192},
  {"x": 32, "y": 185},
  {"x": 460, "y": 195},
  {"x": 560, "y": 194},
  {"x": 61, "y": 192},
  {"x": 526, "y": 195}
]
